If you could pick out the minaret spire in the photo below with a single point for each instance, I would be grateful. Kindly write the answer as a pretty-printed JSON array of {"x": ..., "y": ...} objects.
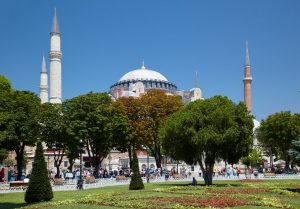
[
  {"x": 55, "y": 27},
  {"x": 44, "y": 69},
  {"x": 44, "y": 82},
  {"x": 247, "y": 57},
  {"x": 247, "y": 81},
  {"x": 196, "y": 80},
  {"x": 55, "y": 56}
]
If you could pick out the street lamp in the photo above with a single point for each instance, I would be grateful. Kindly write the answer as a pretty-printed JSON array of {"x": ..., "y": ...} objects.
[
  {"x": 80, "y": 148},
  {"x": 147, "y": 158},
  {"x": 109, "y": 162}
]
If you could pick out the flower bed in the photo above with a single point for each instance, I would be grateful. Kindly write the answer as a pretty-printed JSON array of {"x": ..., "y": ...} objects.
[
  {"x": 219, "y": 202},
  {"x": 237, "y": 191}
]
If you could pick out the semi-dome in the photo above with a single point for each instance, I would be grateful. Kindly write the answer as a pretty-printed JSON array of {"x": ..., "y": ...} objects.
[{"x": 143, "y": 74}]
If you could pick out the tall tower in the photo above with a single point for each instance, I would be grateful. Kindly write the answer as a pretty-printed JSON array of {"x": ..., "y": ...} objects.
[
  {"x": 247, "y": 81},
  {"x": 44, "y": 82},
  {"x": 55, "y": 55}
]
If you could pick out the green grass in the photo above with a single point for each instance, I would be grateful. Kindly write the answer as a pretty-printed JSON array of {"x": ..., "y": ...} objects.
[{"x": 176, "y": 195}]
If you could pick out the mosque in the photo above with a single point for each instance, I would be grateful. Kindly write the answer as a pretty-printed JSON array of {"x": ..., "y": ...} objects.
[{"x": 134, "y": 83}]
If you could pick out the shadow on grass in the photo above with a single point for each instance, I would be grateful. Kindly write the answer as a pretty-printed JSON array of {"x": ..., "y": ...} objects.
[
  {"x": 9, "y": 205},
  {"x": 294, "y": 190}
]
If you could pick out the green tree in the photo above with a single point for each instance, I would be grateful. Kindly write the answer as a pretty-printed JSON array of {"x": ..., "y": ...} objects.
[
  {"x": 136, "y": 182},
  {"x": 3, "y": 155},
  {"x": 88, "y": 118},
  {"x": 5, "y": 85},
  {"x": 209, "y": 130},
  {"x": 39, "y": 188},
  {"x": 157, "y": 106},
  {"x": 129, "y": 128},
  {"x": 19, "y": 123},
  {"x": 253, "y": 159},
  {"x": 278, "y": 131},
  {"x": 295, "y": 151},
  {"x": 53, "y": 132}
]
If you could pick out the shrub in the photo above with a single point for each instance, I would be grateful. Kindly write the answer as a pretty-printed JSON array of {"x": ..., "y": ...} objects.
[
  {"x": 39, "y": 188},
  {"x": 136, "y": 182}
]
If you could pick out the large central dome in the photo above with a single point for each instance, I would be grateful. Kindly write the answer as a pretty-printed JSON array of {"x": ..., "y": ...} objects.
[
  {"x": 143, "y": 74},
  {"x": 139, "y": 81}
]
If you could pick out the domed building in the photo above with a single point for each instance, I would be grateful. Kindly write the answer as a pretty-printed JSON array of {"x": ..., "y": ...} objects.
[{"x": 139, "y": 81}]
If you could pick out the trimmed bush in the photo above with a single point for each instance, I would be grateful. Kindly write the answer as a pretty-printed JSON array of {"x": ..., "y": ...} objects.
[
  {"x": 136, "y": 182},
  {"x": 39, "y": 188}
]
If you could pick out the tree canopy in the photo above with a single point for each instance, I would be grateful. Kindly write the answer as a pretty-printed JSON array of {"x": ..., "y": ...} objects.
[
  {"x": 88, "y": 118},
  {"x": 19, "y": 123},
  {"x": 157, "y": 106},
  {"x": 278, "y": 131},
  {"x": 208, "y": 130},
  {"x": 145, "y": 115},
  {"x": 53, "y": 131},
  {"x": 5, "y": 85},
  {"x": 295, "y": 151},
  {"x": 39, "y": 188}
]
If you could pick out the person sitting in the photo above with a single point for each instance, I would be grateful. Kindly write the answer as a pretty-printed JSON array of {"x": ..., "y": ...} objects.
[{"x": 194, "y": 181}]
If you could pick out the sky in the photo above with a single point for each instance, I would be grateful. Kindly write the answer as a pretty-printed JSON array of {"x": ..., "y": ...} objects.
[{"x": 102, "y": 40}]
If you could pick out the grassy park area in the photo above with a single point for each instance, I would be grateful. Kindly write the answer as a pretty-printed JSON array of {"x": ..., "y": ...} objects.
[{"x": 235, "y": 193}]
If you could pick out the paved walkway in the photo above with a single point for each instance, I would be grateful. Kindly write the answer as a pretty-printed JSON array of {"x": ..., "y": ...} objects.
[{"x": 71, "y": 185}]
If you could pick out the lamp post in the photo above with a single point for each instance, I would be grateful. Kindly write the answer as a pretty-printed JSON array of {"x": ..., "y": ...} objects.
[
  {"x": 109, "y": 162},
  {"x": 147, "y": 158},
  {"x": 80, "y": 148}
]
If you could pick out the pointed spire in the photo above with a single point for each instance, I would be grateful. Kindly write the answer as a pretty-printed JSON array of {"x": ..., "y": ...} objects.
[
  {"x": 247, "y": 58},
  {"x": 143, "y": 64},
  {"x": 196, "y": 80},
  {"x": 44, "y": 69},
  {"x": 55, "y": 27}
]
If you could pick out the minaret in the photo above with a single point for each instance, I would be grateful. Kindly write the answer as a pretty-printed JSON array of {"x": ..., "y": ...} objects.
[
  {"x": 55, "y": 62},
  {"x": 247, "y": 81},
  {"x": 196, "y": 91},
  {"x": 196, "y": 80},
  {"x": 44, "y": 82}
]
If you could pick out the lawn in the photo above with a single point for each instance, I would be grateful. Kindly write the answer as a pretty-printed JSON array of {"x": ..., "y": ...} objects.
[{"x": 176, "y": 195}]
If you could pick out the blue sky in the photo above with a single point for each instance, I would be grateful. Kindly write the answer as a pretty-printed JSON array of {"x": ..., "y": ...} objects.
[{"x": 102, "y": 40}]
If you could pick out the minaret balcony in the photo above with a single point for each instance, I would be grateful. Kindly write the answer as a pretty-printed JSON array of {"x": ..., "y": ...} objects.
[
  {"x": 55, "y": 55},
  {"x": 247, "y": 79}
]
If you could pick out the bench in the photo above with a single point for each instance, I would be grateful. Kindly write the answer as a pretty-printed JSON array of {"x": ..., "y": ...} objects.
[
  {"x": 18, "y": 185},
  {"x": 90, "y": 180},
  {"x": 270, "y": 175},
  {"x": 58, "y": 181},
  {"x": 121, "y": 178}
]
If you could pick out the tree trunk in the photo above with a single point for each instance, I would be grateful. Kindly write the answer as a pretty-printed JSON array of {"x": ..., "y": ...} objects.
[
  {"x": 207, "y": 172},
  {"x": 271, "y": 161},
  {"x": 19, "y": 166},
  {"x": 97, "y": 165},
  {"x": 157, "y": 155},
  {"x": 158, "y": 160},
  {"x": 57, "y": 170},
  {"x": 20, "y": 155},
  {"x": 71, "y": 162},
  {"x": 130, "y": 157},
  {"x": 287, "y": 161},
  {"x": 207, "y": 175}
]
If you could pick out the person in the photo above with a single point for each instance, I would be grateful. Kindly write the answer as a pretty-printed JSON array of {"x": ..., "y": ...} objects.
[
  {"x": 194, "y": 181},
  {"x": 238, "y": 172},
  {"x": 147, "y": 175},
  {"x": 200, "y": 172}
]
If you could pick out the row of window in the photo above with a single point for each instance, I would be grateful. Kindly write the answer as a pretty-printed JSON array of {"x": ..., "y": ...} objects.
[{"x": 149, "y": 84}]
